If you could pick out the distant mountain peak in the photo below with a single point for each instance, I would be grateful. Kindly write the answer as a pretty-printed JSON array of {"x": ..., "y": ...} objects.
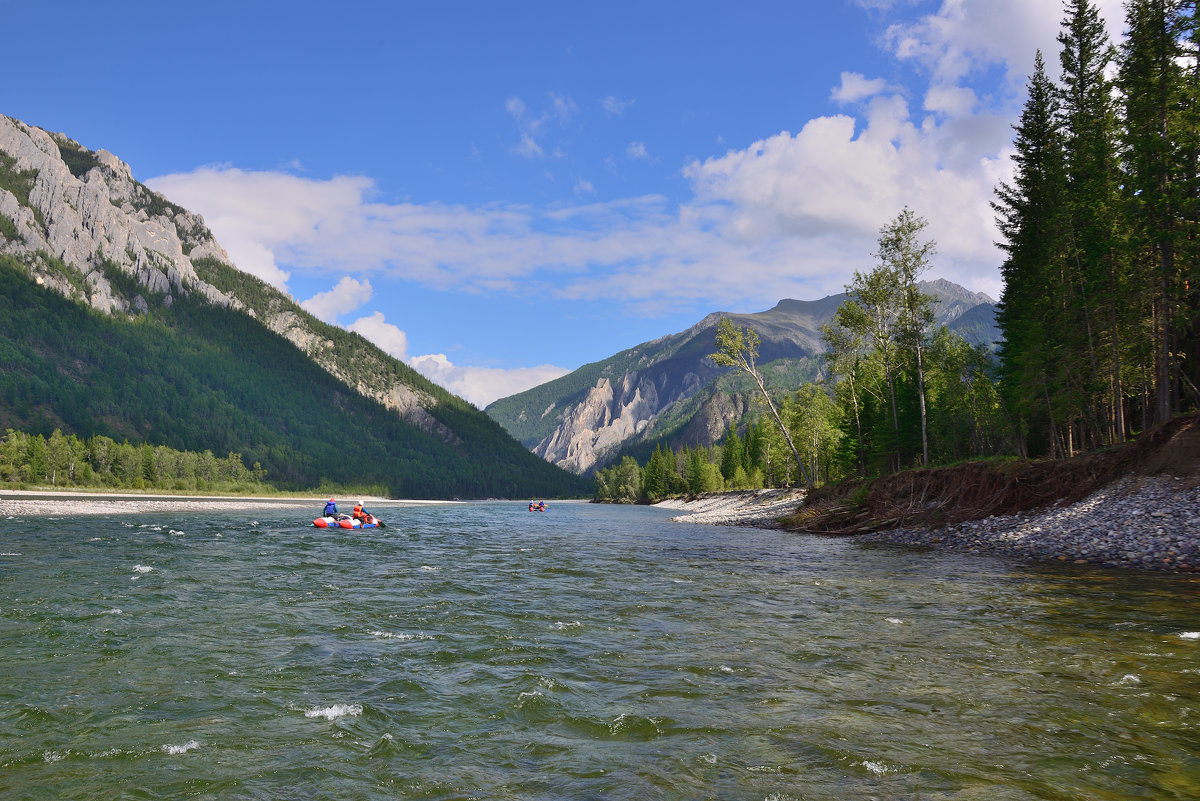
[{"x": 668, "y": 388}]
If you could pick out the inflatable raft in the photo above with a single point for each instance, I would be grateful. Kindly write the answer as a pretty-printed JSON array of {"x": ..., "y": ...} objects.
[{"x": 346, "y": 522}]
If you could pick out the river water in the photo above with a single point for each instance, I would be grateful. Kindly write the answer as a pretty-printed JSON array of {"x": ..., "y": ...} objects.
[{"x": 479, "y": 651}]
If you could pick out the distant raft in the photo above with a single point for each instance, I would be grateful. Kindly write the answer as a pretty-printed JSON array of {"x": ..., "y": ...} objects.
[{"x": 347, "y": 522}]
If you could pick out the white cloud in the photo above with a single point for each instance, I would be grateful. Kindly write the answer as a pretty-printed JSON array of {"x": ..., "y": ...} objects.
[
  {"x": 261, "y": 218},
  {"x": 637, "y": 150},
  {"x": 788, "y": 216},
  {"x": 528, "y": 147},
  {"x": 833, "y": 179},
  {"x": 856, "y": 87},
  {"x": 388, "y": 337},
  {"x": 955, "y": 101},
  {"x": 561, "y": 109},
  {"x": 614, "y": 106},
  {"x": 346, "y": 296},
  {"x": 964, "y": 36},
  {"x": 482, "y": 385}
]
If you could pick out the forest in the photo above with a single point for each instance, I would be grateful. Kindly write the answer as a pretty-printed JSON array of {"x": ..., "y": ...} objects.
[
  {"x": 65, "y": 460},
  {"x": 199, "y": 378},
  {"x": 1100, "y": 313}
]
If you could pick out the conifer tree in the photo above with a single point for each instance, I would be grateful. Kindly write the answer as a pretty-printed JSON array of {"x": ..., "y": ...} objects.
[
  {"x": 1159, "y": 176},
  {"x": 1032, "y": 313},
  {"x": 1097, "y": 278}
]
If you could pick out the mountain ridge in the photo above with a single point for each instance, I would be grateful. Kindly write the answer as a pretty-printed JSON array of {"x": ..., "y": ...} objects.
[{"x": 668, "y": 386}]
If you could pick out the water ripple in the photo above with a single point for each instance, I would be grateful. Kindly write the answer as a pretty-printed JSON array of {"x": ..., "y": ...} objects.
[{"x": 593, "y": 652}]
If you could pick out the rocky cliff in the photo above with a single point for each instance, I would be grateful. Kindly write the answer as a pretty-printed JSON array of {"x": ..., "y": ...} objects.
[
  {"x": 85, "y": 228},
  {"x": 74, "y": 224}
]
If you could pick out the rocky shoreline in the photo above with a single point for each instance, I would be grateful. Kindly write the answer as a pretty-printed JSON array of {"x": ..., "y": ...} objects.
[
  {"x": 1148, "y": 523},
  {"x": 1143, "y": 522}
]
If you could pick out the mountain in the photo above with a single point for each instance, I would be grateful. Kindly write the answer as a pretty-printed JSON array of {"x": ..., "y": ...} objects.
[
  {"x": 123, "y": 316},
  {"x": 669, "y": 390}
]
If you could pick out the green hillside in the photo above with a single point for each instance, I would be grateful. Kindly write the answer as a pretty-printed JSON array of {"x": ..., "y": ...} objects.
[{"x": 199, "y": 377}]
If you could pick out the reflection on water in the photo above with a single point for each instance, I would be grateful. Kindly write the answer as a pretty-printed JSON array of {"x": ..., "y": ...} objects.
[{"x": 479, "y": 651}]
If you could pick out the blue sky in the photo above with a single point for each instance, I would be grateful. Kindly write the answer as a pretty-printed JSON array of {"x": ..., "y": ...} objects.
[{"x": 500, "y": 192}]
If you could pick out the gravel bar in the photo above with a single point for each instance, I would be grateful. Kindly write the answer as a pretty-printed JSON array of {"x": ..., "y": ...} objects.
[{"x": 1149, "y": 523}]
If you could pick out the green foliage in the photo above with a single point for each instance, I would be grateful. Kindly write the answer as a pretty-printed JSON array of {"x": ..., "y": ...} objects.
[
  {"x": 19, "y": 183},
  {"x": 1100, "y": 312},
  {"x": 79, "y": 160},
  {"x": 621, "y": 483},
  {"x": 816, "y": 424},
  {"x": 65, "y": 460},
  {"x": 8, "y": 228}
]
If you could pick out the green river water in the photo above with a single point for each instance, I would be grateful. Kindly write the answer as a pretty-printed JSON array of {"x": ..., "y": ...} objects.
[{"x": 478, "y": 651}]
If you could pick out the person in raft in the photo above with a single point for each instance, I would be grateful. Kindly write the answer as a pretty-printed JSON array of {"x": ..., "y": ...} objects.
[
  {"x": 360, "y": 513},
  {"x": 330, "y": 508}
]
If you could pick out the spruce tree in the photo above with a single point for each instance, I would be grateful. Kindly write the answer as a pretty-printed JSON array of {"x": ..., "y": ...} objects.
[
  {"x": 1097, "y": 280},
  {"x": 1151, "y": 81},
  {"x": 1032, "y": 313}
]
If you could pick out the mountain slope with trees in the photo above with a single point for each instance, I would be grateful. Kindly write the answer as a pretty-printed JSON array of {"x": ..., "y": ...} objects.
[
  {"x": 123, "y": 318},
  {"x": 670, "y": 392}
]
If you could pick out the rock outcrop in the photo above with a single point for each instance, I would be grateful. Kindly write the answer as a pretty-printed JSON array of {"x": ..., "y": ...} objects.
[
  {"x": 76, "y": 230},
  {"x": 83, "y": 226}
]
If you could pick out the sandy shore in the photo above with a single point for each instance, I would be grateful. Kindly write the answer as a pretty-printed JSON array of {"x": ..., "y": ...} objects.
[{"x": 33, "y": 502}]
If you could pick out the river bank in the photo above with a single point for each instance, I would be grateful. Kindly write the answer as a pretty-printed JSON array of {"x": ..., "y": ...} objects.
[
  {"x": 1135, "y": 507},
  {"x": 1149, "y": 523},
  {"x": 66, "y": 502}
]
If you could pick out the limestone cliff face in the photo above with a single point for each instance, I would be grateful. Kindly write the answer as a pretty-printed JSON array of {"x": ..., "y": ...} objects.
[
  {"x": 607, "y": 416},
  {"x": 612, "y": 413},
  {"x": 95, "y": 222},
  {"x": 83, "y": 226}
]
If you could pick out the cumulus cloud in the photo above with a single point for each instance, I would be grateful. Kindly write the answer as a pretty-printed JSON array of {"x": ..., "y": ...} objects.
[
  {"x": 482, "y": 385},
  {"x": 261, "y": 218},
  {"x": 388, "y": 337},
  {"x": 790, "y": 215},
  {"x": 834, "y": 177},
  {"x": 955, "y": 101},
  {"x": 346, "y": 296},
  {"x": 855, "y": 87},
  {"x": 637, "y": 150}
]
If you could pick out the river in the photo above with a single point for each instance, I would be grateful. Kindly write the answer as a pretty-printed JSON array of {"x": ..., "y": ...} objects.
[{"x": 480, "y": 651}]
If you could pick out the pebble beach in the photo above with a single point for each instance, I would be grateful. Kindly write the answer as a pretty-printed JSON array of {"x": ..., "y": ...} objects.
[{"x": 1148, "y": 523}]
